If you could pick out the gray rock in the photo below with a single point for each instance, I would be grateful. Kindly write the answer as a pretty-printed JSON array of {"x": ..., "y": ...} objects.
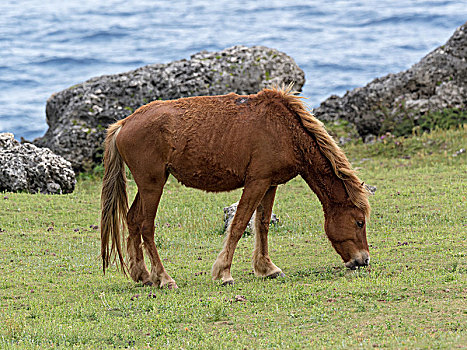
[
  {"x": 25, "y": 167},
  {"x": 371, "y": 189},
  {"x": 437, "y": 82},
  {"x": 229, "y": 213},
  {"x": 78, "y": 116}
]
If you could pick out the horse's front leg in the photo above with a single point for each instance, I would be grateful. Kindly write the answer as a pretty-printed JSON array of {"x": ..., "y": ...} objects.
[
  {"x": 262, "y": 264},
  {"x": 252, "y": 194}
]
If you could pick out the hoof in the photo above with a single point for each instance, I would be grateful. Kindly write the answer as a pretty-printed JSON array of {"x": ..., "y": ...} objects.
[
  {"x": 148, "y": 283},
  {"x": 228, "y": 283},
  {"x": 276, "y": 274},
  {"x": 172, "y": 285}
]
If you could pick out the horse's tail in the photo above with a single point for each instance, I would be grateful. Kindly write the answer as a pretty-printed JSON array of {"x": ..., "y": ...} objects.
[{"x": 114, "y": 200}]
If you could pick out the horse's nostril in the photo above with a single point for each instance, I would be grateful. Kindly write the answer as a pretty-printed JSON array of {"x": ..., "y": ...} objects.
[{"x": 367, "y": 261}]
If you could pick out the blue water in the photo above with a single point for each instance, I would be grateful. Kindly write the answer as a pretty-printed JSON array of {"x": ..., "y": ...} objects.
[{"x": 49, "y": 45}]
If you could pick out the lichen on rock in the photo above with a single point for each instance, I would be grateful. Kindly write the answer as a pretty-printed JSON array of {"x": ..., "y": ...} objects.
[{"x": 25, "y": 167}]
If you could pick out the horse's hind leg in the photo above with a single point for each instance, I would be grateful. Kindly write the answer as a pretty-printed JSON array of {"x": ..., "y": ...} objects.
[
  {"x": 251, "y": 197},
  {"x": 137, "y": 268},
  {"x": 150, "y": 197},
  {"x": 262, "y": 264}
]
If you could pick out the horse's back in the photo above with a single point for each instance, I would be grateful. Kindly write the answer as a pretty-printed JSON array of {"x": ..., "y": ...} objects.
[{"x": 205, "y": 142}]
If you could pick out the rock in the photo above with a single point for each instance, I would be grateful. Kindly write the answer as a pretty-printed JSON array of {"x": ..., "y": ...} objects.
[
  {"x": 25, "y": 167},
  {"x": 78, "y": 116},
  {"x": 229, "y": 213},
  {"x": 437, "y": 82},
  {"x": 371, "y": 189},
  {"x": 459, "y": 152},
  {"x": 238, "y": 298}
]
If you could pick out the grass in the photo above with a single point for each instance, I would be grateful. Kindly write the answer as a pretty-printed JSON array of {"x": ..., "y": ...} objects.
[
  {"x": 53, "y": 293},
  {"x": 403, "y": 121}
]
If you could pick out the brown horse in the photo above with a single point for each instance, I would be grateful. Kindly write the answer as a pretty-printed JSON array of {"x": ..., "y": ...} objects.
[{"x": 220, "y": 143}]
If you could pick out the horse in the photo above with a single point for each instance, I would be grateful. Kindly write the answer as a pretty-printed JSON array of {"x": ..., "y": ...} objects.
[{"x": 221, "y": 143}]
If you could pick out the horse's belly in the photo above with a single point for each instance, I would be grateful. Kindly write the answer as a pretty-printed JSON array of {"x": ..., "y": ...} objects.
[{"x": 208, "y": 178}]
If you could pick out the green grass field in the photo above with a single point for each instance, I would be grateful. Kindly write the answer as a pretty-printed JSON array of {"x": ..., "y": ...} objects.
[{"x": 53, "y": 292}]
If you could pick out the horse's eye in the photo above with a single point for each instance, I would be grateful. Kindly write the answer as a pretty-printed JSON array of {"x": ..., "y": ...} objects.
[{"x": 360, "y": 224}]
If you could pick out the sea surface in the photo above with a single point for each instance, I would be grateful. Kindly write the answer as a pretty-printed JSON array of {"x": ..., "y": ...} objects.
[{"x": 49, "y": 45}]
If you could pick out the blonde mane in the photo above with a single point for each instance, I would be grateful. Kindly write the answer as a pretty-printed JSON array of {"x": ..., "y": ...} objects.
[{"x": 355, "y": 188}]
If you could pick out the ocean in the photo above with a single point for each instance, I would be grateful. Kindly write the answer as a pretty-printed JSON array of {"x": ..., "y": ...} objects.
[{"x": 47, "y": 46}]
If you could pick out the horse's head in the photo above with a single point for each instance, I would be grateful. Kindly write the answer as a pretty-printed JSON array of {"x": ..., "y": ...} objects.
[{"x": 346, "y": 229}]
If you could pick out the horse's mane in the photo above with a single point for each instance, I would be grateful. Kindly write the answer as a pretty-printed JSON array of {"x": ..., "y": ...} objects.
[{"x": 355, "y": 188}]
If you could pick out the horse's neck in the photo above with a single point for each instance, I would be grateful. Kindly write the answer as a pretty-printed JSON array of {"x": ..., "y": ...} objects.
[{"x": 319, "y": 175}]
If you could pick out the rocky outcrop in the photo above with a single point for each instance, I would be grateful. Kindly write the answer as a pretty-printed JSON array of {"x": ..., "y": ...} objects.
[
  {"x": 78, "y": 116},
  {"x": 25, "y": 167},
  {"x": 437, "y": 82}
]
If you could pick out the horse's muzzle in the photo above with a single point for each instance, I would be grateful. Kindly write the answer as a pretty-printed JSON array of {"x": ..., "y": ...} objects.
[{"x": 362, "y": 260}]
